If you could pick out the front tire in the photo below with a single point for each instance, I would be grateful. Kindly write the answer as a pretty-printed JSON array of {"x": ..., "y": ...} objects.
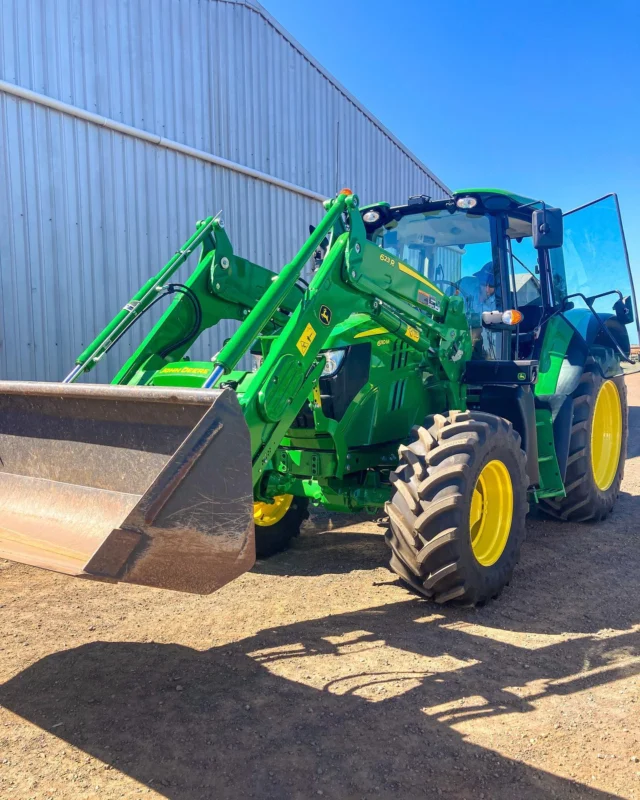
[
  {"x": 457, "y": 516},
  {"x": 277, "y": 523},
  {"x": 597, "y": 449}
]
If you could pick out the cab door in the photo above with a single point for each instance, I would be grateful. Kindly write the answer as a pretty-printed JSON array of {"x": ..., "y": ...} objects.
[{"x": 594, "y": 261}]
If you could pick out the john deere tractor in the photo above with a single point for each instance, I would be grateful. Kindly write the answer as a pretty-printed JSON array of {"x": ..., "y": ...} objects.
[{"x": 451, "y": 361}]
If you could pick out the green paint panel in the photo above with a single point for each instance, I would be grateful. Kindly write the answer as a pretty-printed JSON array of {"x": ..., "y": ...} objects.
[
  {"x": 551, "y": 484},
  {"x": 557, "y": 336}
]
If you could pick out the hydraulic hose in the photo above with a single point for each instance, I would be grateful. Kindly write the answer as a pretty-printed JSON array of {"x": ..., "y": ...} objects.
[{"x": 197, "y": 322}]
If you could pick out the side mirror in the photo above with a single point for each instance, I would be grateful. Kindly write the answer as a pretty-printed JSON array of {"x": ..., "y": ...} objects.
[
  {"x": 624, "y": 310},
  {"x": 547, "y": 228}
]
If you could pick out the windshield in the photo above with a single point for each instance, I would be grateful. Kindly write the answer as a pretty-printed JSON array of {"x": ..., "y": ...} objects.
[
  {"x": 454, "y": 251},
  {"x": 442, "y": 246}
]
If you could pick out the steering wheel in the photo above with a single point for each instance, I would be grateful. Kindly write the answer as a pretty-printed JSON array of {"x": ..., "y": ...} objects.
[
  {"x": 447, "y": 287},
  {"x": 451, "y": 288}
]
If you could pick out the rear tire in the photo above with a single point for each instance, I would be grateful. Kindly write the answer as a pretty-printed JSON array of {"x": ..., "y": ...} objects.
[
  {"x": 274, "y": 538},
  {"x": 433, "y": 512},
  {"x": 585, "y": 499}
]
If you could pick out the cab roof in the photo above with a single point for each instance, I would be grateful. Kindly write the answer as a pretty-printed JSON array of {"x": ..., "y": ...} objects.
[{"x": 484, "y": 194}]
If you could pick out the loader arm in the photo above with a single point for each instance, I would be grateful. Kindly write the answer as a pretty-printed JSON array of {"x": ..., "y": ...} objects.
[
  {"x": 355, "y": 276},
  {"x": 222, "y": 286}
]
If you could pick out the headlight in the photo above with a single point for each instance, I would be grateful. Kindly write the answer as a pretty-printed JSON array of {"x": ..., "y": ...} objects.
[
  {"x": 466, "y": 202},
  {"x": 371, "y": 216},
  {"x": 256, "y": 362},
  {"x": 334, "y": 359}
]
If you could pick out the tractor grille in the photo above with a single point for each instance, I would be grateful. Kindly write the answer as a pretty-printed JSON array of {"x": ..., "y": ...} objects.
[
  {"x": 397, "y": 394},
  {"x": 399, "y": 354},
  {"x": 338, "y": 391}
]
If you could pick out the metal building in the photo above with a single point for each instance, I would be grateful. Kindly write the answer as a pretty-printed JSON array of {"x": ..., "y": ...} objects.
[{"x": 122, "y": 123}]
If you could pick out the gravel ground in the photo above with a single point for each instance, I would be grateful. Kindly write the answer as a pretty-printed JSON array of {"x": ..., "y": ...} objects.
[{"x": 317, "y": 674}]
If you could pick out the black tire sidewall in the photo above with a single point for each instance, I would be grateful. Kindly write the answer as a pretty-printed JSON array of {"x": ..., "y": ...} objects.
[
  {"x": 272, "y": 539},
  {"x": 429, "y": 532}
]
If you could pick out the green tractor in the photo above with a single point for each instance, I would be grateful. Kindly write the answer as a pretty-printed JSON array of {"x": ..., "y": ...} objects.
[{"x": 450, "y": 361}]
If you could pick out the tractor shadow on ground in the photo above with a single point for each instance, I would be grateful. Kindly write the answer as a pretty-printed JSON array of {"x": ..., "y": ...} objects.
[
  {"x": 359, "y": 704},
  {"x": 333, "y": 544},
  {"x": 290, "y": 712}
]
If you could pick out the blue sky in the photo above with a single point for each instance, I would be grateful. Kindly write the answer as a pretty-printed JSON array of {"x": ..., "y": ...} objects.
[{"x": 540, "y": 97}]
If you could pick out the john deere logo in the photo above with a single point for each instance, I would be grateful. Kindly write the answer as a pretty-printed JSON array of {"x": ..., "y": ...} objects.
[
  {"x": 522, "y": 376},
  {"x": 325, "y": 315}
]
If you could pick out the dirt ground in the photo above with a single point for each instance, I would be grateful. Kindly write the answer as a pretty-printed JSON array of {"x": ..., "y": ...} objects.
[{"x": 317, "y": 674}]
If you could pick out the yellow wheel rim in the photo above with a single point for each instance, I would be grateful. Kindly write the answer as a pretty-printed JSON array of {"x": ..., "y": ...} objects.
[
  {"x": 265, "y": 514},
  {"x": 491, "y": 513},
  {"x": 606, "y": 435}
]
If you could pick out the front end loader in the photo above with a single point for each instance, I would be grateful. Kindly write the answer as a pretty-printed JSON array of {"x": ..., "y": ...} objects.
[{"x": 450, "y": 361}]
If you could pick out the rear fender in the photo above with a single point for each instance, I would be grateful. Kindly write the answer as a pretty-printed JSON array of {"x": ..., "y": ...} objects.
[
  {"x": 569, "y": 342},
  {"x": 588, "y": 340}
]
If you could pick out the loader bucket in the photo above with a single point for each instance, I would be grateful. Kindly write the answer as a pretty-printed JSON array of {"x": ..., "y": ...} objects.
[{"x": 143, "y": 485}]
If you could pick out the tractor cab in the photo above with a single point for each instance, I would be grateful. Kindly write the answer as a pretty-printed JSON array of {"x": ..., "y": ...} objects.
[
  {"x": 486, "y": 246},
  {"x": 545, "y": 294}
]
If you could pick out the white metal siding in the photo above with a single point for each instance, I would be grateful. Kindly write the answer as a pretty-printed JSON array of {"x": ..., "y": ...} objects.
[{"x": 87, "y": 214}]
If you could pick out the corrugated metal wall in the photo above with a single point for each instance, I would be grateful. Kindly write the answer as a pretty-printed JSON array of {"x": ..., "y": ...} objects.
[{"x": 87, "y": 214}]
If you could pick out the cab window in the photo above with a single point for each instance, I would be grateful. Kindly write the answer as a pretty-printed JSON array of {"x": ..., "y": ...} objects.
[
  {"x": 454, "y": 251},
  {"x": 523, "y": 268}
]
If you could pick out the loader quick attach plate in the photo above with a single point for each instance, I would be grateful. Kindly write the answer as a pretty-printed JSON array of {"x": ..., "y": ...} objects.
[{"x": 136, "y": 484}]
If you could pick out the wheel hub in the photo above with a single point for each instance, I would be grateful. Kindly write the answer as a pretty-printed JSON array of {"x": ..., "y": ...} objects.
[
  {"x": 606, "y": 435},
  {"x": 266, "y": 514},
  {"x": 491, "y": 513}
]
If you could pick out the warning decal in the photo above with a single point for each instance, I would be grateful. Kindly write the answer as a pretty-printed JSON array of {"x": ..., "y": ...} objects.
[
  {"x": 412, "y": 333},
  {"x": 304, "y": 342},
  {"x": 428, "y": 300}
]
